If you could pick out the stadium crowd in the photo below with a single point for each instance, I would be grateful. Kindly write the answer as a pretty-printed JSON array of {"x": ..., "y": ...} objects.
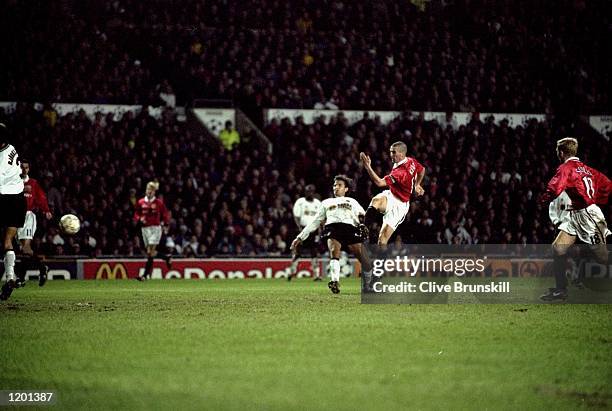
[
  {"x": 481, "y": 184},
  {"x": 457, "y": 55}
]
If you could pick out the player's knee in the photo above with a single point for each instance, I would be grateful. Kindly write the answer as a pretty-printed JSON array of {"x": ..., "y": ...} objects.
[
  {"x": 378, "y": 203},
  {"x": 334, "y": 250},
  {"x": 383, "y": 237}
]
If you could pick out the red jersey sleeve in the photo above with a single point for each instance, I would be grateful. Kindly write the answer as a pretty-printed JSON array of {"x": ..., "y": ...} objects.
[
  {"x": 138, "y": 211},
  {"x": 419, "y": 166},
  {"x": 40, "y": 199},
  {"x": 556, "y": 185},
  {"x": 394, "y": 177},
  {"x": 165, "y": 215},
  {"x": 604, "y": 188}
]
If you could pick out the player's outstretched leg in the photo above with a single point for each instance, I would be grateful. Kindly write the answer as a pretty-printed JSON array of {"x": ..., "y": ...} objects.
[
  {"x": 148, "y": 269},
  {"x": 360, "y": 252},
  {"x": 20, "y": 272},
  {"x": 168, "y": 259},
  {"x": 293, "y": 266},
  {"x": 560, "y": 247},
  {"x": 9, "y": 270},
  {"x": 151, "y": 253},
  {"x": 43, "y": 273},
  {"x": 316, "y": 270},
  {"x": 334, "y": 247}
]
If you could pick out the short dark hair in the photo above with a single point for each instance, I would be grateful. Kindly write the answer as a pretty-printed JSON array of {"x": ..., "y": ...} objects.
[
  {"x": 346, "y": 179},
  {"x": 24, "y": 160}
]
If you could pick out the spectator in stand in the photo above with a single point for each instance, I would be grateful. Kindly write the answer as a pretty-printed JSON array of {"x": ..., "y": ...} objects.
[{"x": 229, "y": 136}]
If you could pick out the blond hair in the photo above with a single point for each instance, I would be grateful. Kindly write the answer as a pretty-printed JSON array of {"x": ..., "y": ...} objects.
[
  {"x": 568, "y": 146},
  {"x": 153, "y": 184},
  {"x": 400, "y": 146}
]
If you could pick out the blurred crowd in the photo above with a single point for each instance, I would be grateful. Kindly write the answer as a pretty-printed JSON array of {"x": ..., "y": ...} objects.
[
  {"x": 481, "y": 183},
  {"x": 451, "y": 55}
]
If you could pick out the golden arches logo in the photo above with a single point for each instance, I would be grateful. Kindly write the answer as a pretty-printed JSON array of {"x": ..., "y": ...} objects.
[{"x": 106, "y": 272}]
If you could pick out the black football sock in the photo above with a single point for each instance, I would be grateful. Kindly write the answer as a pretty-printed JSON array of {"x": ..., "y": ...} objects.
[
  {"x": 148, "y": 267},
  {"x": 559, "y": 265},
  {"x": 27, "y": 262},
  {"x": 20, "y": 268},
  {"x": 371, "y": 216}
]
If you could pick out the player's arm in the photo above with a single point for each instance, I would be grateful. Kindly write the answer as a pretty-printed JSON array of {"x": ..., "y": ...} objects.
[
  {"x": 297, "y": 212},
  {"x": 313, "y": 226},
  {"x": 165, "y": 214},
  {"x": 555, "y": 186},
  {"x": 603, "y": 188},
  {"x": 418, "y": 188},
  {"x": 553, "y": 212},
  {"x": 138, "y": 213},
  {"x": 367, "y": 164},
  {"x": 42, "y": 202}
]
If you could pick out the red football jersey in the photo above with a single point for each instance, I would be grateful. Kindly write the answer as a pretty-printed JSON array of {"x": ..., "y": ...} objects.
[
  {"x": 402, "y": 179},
  {"x": 153, "y": 211},
  {"x": 583, "y": 184},
  {"x": 35, "y": 196}
]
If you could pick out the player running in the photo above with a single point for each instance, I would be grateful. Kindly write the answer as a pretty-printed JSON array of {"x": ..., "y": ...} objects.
[
  {"x": 304, "y": 211},
  {"x": 35, "y": 200},
  {"x": 586, "y": 187},
  {"x": 343, "y": 229},
  {"x": 13, "y": 206},
  {"x": 406, "y": 176},
  {"x": 151, "y": 213}
]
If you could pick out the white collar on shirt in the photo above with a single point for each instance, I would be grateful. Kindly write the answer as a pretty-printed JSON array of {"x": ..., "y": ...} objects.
[
  {"x": 26, "y": 179},
  {"x": 395, "y": 165},
  {"x": 149, "y": 201},
  {"x": 572, "y": 159}
]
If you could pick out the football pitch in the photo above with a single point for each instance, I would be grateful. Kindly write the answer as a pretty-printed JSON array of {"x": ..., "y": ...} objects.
[{"x": 275, "y": 345}]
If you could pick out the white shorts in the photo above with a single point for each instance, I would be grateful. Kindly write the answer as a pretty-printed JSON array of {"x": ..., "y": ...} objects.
[
  {"x": 151, "y": 235},
  {"x": 588, "y": 224},
  {"x": 29, "y": 227},
  {"x": 396, "y": 210}
]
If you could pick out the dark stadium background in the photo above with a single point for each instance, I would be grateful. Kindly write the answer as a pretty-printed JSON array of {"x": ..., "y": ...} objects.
[{"x": 449, "y": 56}]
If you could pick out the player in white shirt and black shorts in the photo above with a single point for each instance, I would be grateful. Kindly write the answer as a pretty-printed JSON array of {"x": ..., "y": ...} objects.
[
  {"x": 343, "y": 229},
  {"x": 304, "y": 211},
  {"x": 13, "y": 206}
]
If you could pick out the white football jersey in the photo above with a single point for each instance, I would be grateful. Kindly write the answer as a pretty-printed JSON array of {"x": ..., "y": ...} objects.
[
  {"x": 10, "y": 171},
  {"x": 559, "y": 209},
  {"x": 334, "y": 210},
  {"x": 305, "y": 211}
]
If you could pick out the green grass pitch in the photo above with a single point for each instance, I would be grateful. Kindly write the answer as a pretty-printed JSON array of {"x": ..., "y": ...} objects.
[{"x": 275, "y": 345}]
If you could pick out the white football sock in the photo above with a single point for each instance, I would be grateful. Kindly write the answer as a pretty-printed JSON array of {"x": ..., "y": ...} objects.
[
  {"x": 9, "y": 265},
  {"x": 334, "y": 269},
  {"x": 315, "y": 268},
  {"x": 293, "y": 267}
]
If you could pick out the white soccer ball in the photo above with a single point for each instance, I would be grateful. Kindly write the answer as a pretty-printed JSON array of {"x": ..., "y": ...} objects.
[{"x": 70, "y": 224}]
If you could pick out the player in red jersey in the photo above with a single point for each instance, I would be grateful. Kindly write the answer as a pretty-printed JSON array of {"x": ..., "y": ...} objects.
[
  {"x": 151, "y": 213},
  {"x": 394, "y": 203},
  {"x": 586, "y": 187},
  {"x": 36, "y": 201}
]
